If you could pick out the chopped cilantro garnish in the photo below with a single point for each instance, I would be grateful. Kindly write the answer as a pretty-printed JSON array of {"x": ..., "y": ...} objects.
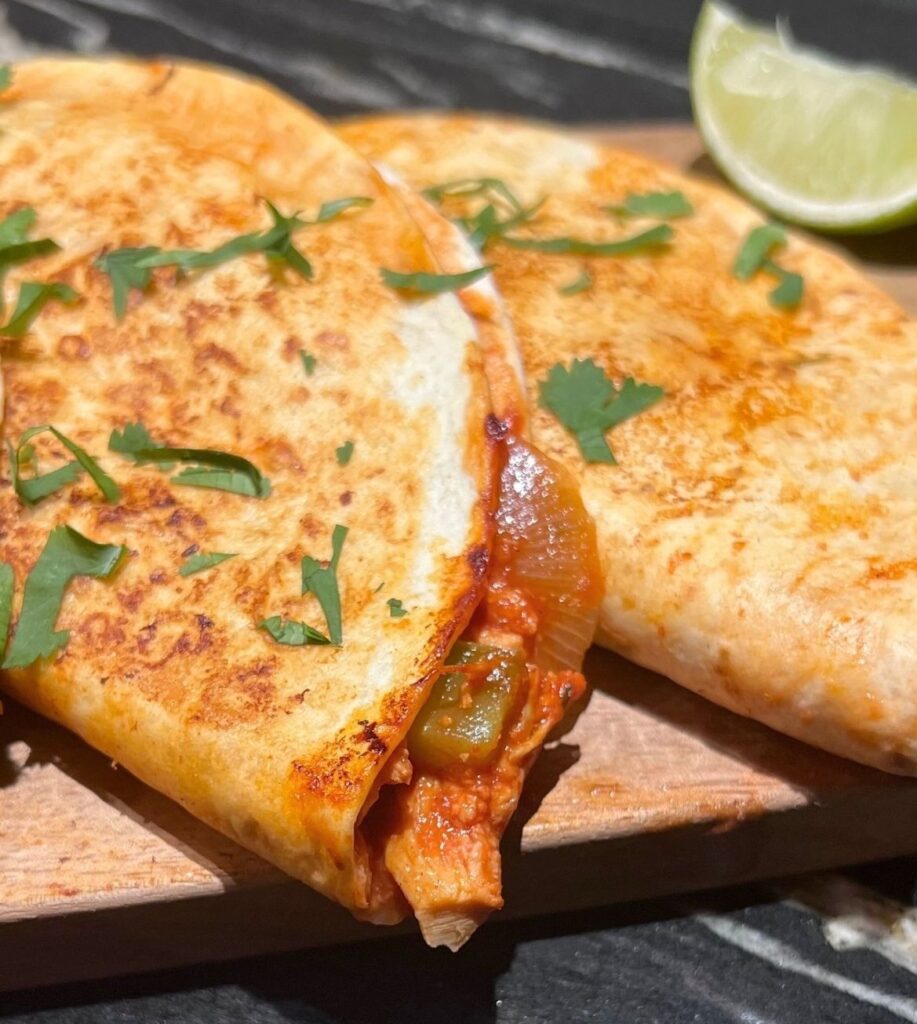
[
  {"x": 335, "y": 207},
  {"x": 664, "y": 205},
  {"x": 292, "y": 634},
  {"x": 32, "y": 490},
  {"x": 133, "y": 267},
  {"x": 344, "y": 452},
  {"x": 22, "y": 252},
  {"x": 395, "y": 608},
  {"x": 487, "y": 224},
  {"x": 6, "y": 604},
  {"x": 66, "y": 554},
  {"x": 33, "y": 297},
  {"x": 275, "y": 243},
  {"x": 788, "y": 293},
  {"x": 308, "y": 362},
  {"x": 232, "y": 480},
  {"x": 467, "y": 187},
  {"x": 133, "y": 440},
  {"x": 587, "y": 403},
  {"x": 6, "y": 76},
  {"x": 650, "y": 239},
  {"x": 432, "y": 284},
  {"x": 577, "y": 285},
  {"x": 126, "y": 270},
  {"x": 756, "y": 248},
  {"x": 15, "y": 228},
  {"x": 203, "y": 560},
  {"x": 755, "y": 255},
  {"x": 14, "y": 245},
  {"x": 323, "y": 582},
  {"x": 214, "y": 469}
]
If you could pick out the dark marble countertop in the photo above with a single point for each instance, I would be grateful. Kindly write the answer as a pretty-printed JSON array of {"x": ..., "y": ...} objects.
[{"x": 834, "y": 948}]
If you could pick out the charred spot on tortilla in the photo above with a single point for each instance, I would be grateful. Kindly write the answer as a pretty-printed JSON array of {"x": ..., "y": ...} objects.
[{"x": 497, "y": 429}]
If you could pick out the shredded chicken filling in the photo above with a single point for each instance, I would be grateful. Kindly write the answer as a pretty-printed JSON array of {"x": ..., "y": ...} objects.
[{"x": 432, "y": 835}]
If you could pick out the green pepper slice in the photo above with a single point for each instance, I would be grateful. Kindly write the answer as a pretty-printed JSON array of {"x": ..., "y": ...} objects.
[{"x": 445, "y": 733}]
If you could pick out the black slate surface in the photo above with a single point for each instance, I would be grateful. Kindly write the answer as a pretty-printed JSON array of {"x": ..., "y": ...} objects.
[
  {"x": 735, "y": 958},
  {"x": 747, "y": 957}
]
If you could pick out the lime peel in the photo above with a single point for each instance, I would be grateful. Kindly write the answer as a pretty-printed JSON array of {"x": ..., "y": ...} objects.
[{"x": 815, "y": 140}]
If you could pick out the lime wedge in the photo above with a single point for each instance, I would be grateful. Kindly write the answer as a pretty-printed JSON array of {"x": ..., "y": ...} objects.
[{"x": 815, "y": 140}]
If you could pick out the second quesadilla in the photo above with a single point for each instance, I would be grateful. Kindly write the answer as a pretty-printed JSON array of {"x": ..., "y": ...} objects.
[{"x": 738, "y": 408}]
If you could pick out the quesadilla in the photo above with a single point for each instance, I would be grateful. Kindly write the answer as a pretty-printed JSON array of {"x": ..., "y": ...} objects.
[
  {"x": 755, "y": 499},
  {"x": 264, "y": 541}
]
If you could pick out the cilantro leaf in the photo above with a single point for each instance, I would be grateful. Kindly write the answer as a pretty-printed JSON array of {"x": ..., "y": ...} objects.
[
  {"x": 291, "y": 633},
  {"x": 6, "y": 603},
  {"x": 344, "y": 453},
  {"x": 33, "y": 297},
  {"x": 650, "y": 239},
  {"x": 577, "y": 285},
  {"x": 66, "y": 554},
  {"x": 214, "y": 469},
  {"x": 486, "y": 227},
  {"x": 15, "y": 228},
  {"x": 664, "y": 205},
  {"x": 335, "y": 207},
  {"x": 323, "y": 583},
  {"x": 14, "y": 245},
  {"x": 275, "y": 242},
  {"x": 756, "y": 248},
  {"x": 133, "y": 440},
  {"x": 395, "y": 608},
  {"x": 203, "y": 560},
  {"x": 488, "y": 224},
  {"x": 32, "y": 490},
  {"x": 789, "y": 291},
  {"x": 125, "y": 270},
  {"x": 6, "y": 77},
  {"x": 466, "y": 187},
  {"x": 102, "y": 480},
  {"x": 308, "y": 362},
  {"x": 230, "y": 480},
  {"x": 432, "y": 284},
  {"x": 132, "y": 267},
  {"x": 22, "y": 252},
  {"x": 279, "y": 247},
  {"x": 587, "y": 403},
  {"x": 755, "y": 255}
]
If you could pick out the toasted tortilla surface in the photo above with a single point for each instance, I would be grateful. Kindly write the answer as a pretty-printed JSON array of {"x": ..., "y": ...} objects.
[
  {"x": 279, "y": 747},
  {"x": 758, "y": 533}
]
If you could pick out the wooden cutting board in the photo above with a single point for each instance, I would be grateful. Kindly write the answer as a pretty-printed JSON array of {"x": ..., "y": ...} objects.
[{"x": 650, "y": 791}]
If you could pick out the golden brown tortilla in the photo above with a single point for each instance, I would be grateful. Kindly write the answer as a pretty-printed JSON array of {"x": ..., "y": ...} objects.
[
  {"x": 301, "y": 753},
  {"x": 758, "y": 535},
  {"x": 279, "y": 747}
]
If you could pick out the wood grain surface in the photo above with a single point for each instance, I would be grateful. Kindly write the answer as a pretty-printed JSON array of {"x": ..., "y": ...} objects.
[{"x": 650, "y": 790}]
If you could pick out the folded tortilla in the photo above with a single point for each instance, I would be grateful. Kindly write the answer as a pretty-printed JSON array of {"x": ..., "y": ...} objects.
[
  {"x": 365, "y": 407},
  {"x": 757, "y": 534}
]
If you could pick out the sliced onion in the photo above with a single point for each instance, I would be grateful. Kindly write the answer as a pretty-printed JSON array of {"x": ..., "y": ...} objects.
[{"x": 546, "y": 547}]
